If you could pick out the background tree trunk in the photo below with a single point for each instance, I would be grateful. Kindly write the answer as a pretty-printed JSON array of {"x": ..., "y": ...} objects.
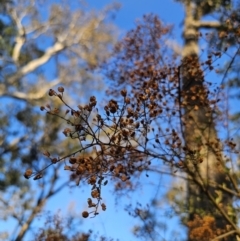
[{"x": 204, "y": 160}]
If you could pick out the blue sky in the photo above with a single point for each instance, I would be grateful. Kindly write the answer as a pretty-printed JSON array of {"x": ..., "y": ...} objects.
[
  {"x": 115, "y": 222},
  {"x": 168, "y": 10}
]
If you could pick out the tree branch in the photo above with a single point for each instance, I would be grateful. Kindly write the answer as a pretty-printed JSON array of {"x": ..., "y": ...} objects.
[
  {"x": 40, "y": 203},
  {"x": 224, "y": 235},
  {"x": 209, "y": 24},
  {"x": 33, "y": 96},
  {"x": 13, "y": 145},
  {"x": 34, "y": 64},
  {"x": 20, "y": 38}
]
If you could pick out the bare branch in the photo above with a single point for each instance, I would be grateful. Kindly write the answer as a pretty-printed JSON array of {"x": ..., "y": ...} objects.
[
  {"x": 20, "y": 38},
  {"x": 209, "y": 24},
  {"x": 40, "y": 203},
  {"x": 34, "y": 64},
  {"x": 224, "y": 235},
  {"x": 13, "y": 145},
  {"x": 33, "y": 96}
]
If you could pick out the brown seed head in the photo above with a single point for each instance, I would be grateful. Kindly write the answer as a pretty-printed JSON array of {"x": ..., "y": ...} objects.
[
  {"x": 54, "y": 160},
  {"x": 92, "y": 99},
  {"x": 72, "y": 160},
  {"x": 51, "y": 92},
  {"x": 60, "y": 89},
  {"x": 124, "y": 93},
  {"x": 85, "y": 214},
  {"x": 28, "y": 173}
]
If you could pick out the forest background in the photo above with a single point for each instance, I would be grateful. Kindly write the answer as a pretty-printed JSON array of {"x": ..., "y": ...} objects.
[{"x": 63, "y": 47}]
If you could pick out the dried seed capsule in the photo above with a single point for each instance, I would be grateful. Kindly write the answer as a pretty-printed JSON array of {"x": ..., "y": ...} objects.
[{"x": 85, "y": 214}]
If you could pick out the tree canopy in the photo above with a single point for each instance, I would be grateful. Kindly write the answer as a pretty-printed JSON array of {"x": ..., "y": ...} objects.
[
  {"x": 39, "y": 41},
  {"x": 169, "y": 112}
]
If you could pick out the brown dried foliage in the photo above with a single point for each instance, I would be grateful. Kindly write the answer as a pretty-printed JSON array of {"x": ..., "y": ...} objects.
[
  {"x": 204, "y": 229},
  {"x": 143, "y": 122}
]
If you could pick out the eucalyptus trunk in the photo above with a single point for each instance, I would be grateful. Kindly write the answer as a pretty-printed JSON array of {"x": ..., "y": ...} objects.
[{"x": 204, "y": 161}]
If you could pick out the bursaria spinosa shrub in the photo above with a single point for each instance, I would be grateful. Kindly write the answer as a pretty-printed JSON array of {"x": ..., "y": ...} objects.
[{"x": 140, "y": 128}]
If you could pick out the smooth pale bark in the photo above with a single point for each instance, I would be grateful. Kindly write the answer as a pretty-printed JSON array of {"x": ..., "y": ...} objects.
[{"x": 204, "y": 162}]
